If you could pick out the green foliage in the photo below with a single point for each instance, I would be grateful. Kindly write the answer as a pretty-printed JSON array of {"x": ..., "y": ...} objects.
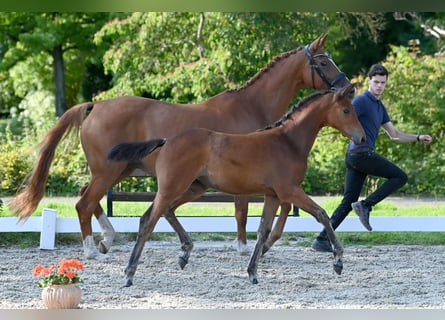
[
  {"x": 15, "y": 164},
  {"x": 19, "y": 146},
  {"x": 326, "y": 169},
  {"x": 415, "y": 100},
  {"x": 159, "y": 56},
  {"x": 137, "y": 184},
  {"x": 357, "y": 38},
  {"x": 28, "y": 43},
  {"x": 68, "y": 172}
]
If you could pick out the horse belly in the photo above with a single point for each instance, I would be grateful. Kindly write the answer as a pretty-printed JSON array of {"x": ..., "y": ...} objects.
[{"x": 235, "y": 179}]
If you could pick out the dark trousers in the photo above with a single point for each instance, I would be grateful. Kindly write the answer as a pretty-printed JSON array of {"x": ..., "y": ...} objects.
[{"x": 358, "y": 167}]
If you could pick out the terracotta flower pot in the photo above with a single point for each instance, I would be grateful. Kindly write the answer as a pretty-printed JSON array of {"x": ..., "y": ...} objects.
[{"x": 61, "y": 296}]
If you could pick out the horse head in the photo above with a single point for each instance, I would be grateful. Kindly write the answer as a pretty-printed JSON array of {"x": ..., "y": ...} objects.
[
  {"x": 342, "y": 115},
  {"x": 329, "y": 75}
]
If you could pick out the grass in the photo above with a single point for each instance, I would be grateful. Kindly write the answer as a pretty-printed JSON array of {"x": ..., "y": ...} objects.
[
  {"x": 385, "y": 208},
  {"x": 136, "y": 209}
]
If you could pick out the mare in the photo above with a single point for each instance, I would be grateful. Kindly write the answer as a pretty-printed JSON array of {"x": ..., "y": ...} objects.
[
  {"x": 261, "y": 101},
  {"x": 202, "y": 158}
]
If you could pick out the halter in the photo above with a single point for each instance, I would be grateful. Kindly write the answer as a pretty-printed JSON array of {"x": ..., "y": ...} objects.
[{"x": 315, "y": 66}]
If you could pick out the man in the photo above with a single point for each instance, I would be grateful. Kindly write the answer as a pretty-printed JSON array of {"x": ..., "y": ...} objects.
[{"x": 362, "y": 160}]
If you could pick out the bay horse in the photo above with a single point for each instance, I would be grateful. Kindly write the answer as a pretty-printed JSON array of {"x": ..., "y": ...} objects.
[
  {"x": 272, "y": 162},
  {"x": 261, "y": 101}
]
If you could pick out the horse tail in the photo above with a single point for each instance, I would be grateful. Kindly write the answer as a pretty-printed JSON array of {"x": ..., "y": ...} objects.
[
  {"x": 134, "y": 151},
  {"x": 33, "y": 188}
]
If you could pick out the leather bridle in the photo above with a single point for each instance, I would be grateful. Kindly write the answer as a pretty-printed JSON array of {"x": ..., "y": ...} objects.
[{"x": 316, "y": 67}]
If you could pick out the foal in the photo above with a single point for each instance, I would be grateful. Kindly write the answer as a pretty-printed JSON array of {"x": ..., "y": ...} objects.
[{"x": 272, "y": 162}]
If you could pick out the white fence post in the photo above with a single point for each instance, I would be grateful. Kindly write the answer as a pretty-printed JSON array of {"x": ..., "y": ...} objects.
[{"x": 48, "y": 233}]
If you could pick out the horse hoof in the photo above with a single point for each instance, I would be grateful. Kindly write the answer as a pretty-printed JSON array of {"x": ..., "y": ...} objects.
[
  {"x": 338, "y": 267},
  {"x": 182, "y": 262},
  {"x": 103, "y": 248},
  {"x": 253, "y": 279},
  {"x": 242, "y": 248},
  {"x": 265, "y": 249}
]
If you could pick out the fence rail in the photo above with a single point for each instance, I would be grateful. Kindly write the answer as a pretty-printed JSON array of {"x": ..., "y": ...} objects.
[
  {"x": 113, "y": 196},
  {"x": 124, "y": 196},
  {"x": 48, "y": 224}
]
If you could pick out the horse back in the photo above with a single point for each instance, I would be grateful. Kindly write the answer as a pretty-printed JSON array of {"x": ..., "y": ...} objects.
[{"x": 232, "y": 163}]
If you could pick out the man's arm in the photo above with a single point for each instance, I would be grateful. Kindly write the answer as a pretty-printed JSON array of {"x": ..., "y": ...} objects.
[{"x": 399, "y": 136}]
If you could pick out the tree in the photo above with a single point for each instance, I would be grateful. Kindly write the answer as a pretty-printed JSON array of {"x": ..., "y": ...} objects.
[
  {"x": 61, "y": 41},
  {"x": 186, "y": 57},
  {"x": 364, "y": 38},
  {"x": 432, "y": 25}
]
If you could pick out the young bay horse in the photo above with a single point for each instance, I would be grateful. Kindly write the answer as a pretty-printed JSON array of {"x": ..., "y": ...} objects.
[
  {"x": 272, "y": 162},
  {"x": 261, "y": 101}
]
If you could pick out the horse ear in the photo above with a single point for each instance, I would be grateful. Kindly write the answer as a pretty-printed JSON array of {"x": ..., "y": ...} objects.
[
  {"x": 318, "y": 43},
  {"x": 348, "y": 91}
]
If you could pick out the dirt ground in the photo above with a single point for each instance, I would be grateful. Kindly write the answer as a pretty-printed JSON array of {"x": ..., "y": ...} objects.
[{"x": 290, "y": 277}]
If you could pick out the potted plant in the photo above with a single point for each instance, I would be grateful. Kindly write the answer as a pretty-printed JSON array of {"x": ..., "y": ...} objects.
[{"x": 60, "y": 290}]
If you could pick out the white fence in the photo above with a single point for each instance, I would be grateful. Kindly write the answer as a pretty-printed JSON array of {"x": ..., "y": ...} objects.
[{"x": 48, "y": 225}]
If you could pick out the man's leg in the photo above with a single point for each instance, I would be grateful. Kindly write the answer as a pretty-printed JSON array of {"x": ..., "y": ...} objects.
[
  {"x": 379, "y": 166},
  {"x": 382, "y": 167}
]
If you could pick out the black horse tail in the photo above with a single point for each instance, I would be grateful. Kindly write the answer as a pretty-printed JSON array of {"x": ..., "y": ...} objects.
[{"x": 134, "y": 151}]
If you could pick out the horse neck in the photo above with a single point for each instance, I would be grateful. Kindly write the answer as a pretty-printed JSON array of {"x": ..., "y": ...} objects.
[
  {"x": 303, "y": 127},
  {"x": 272, "y": 89}
]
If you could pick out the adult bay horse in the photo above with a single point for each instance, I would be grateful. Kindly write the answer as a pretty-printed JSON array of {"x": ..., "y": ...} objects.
[
  {"x": 272, "y": 162},
  {"x": 261, "y": 101}
]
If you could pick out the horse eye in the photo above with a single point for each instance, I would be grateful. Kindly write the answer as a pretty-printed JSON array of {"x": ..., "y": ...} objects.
[
  {"x": 323, "y": 63},
  {"x": 346, "y": 111}
]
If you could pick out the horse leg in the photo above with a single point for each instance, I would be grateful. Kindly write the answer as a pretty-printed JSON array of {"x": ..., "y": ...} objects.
[
  {"x": 147, "y": 224},
  {"x": 302, "y": 200},
  {"x": 108, "y": 232},
  {"x": 85, "y": 210},
  {"x": 88, "y": 204},
  {"x": 184, "y": 238},
  {"x": 338, "y": 248},
  {"x": 195, "y": 191},
  {"x": 270, "y": 208},
  {"x": 241, "y": 210},
  {"x": 277, "y": 231}
]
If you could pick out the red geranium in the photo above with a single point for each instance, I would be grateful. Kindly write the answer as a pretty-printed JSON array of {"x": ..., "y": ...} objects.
[{"x": 66, "y": 273}]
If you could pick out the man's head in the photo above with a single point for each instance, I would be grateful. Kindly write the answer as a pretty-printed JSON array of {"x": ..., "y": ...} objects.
[
  {"x": 377, "y": 77},
  {"x": 377, "y": 69}
]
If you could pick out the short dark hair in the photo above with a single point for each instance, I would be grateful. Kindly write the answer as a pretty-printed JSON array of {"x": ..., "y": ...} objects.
[{"x": 377, "y": 69}]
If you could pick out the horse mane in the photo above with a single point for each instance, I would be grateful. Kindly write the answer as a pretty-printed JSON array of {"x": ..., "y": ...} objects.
[
  {"x": 265, "y": 69},
  {"x": 296, "y": 108}
]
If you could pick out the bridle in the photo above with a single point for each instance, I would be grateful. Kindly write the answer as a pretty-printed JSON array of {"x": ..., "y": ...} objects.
[{"x": 320, "y": 73}]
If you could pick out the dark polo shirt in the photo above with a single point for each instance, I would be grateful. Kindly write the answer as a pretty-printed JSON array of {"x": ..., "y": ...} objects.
[{"x": 372, "y": 114}]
